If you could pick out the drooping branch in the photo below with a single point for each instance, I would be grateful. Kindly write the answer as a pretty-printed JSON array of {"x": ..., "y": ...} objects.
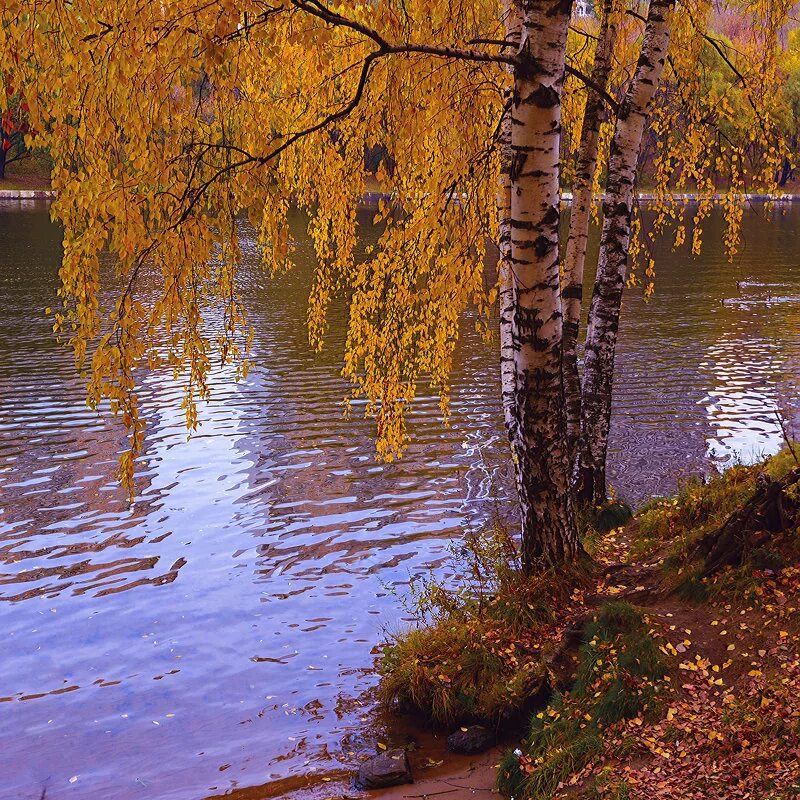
[
  {"x": 715, "y": 43},
  {"x": 261, "y": 160},
  {"x": 385, "y": 48}
]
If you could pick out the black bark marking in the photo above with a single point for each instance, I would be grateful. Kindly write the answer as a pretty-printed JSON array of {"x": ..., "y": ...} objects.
[
  {"x": 551, "y": 217},
  {"x": 522, "y": 225},
  {"x": 543, "y": 97},
  {"x": 517, "y": 164},
  {"x": 543, "y": 245}
]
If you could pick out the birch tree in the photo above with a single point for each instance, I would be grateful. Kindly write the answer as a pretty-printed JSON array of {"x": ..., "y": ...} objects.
[
  {"x": 696, "y": 147},
  {"x": 537, "y": 330},
  {"x": 512, "y": 23},
  {"x": 168, "y": 121}
]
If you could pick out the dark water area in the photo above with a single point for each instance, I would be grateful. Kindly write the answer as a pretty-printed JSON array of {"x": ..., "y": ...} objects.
[{"x": 218, "y": 634}]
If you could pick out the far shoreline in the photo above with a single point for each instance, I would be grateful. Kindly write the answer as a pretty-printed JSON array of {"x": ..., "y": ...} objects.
[{"x": 371, "y": 199}]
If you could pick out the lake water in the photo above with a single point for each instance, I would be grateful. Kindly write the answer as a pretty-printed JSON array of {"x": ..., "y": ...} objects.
[{"x": 218, "y": 634}]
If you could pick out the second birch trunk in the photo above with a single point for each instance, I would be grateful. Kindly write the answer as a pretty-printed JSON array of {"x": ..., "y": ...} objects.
[
  {"x": 578, "y": 237},
  {"x": 512, "y": 19},
  {"x": 601, "y": 335}
]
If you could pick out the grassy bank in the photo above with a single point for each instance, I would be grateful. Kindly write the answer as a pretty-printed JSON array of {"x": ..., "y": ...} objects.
[
  {"x": 646, "y": 674},
  {"x": 30, "y": 172},
  {"x": 478, "y": 652}
]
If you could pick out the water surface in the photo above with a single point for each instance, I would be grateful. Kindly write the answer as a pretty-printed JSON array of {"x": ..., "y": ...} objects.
[{"x": 218, "y": 634}]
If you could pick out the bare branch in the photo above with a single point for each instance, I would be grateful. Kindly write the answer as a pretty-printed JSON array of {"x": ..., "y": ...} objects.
[
  {"x": 590, "y": 84},
  {"x": 320, "y": 10}
]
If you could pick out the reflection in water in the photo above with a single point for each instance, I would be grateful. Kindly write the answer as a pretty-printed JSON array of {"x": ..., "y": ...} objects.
[
  {"x": 743, "y": 411},
  {"x": 752, "y": 374},
  {"x": 215, "y": 636}
]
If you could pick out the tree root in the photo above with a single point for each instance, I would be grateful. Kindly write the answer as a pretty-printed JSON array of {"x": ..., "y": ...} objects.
[{"x": 768, "y": 512}]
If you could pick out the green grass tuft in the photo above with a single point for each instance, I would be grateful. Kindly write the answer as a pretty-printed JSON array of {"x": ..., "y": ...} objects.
[
  {"x": 510, "y": 777},
  {"x": 476, "y": 651},
  {"x": 701, "y": 506},
  {"x": 619, "y": 677},
  {"x": 613, "y": 514},
  {"x": 692, "y": 590},
  {"x": 765, "y": 558},
  {"x": 671, "y": 527}
]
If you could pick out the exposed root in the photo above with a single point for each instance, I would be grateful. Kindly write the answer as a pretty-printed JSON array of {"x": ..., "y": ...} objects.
[{"x": 771, "y": 510}]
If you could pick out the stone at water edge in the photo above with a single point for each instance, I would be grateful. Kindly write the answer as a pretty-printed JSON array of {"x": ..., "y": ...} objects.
[
  {"x": 386, "y": 769},
  {"x": 471, "y": 740}
]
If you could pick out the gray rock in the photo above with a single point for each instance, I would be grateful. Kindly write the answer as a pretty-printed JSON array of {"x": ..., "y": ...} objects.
[
  {"x": 471, "y": 740},
  {"x": 386, "y": 769}
]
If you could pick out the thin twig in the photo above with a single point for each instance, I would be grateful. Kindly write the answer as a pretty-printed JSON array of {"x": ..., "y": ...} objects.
[{"x": 786, "y": 438}]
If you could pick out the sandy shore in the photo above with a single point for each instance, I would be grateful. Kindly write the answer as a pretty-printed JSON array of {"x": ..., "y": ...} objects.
[{"x": 458, "y": 777}]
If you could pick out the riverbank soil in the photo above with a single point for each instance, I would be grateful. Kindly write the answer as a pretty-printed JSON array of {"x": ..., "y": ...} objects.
[
  {"x": 716, "y": 712},
  {"x": 456, "y": 777}
]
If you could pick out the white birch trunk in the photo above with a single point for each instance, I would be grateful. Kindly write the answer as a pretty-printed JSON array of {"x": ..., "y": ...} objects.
[
  {"x": 512, "y": 19},
  {"x": 548, "y": 526},
  {"x": 601, "y": 335},
  {"x": 580, "y": 213}
]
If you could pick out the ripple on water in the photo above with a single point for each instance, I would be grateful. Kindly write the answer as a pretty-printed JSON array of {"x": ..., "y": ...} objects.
[{"x": 216, "y": 634}]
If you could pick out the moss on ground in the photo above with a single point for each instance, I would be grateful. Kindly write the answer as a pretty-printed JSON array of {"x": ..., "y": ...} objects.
[
  {"x": 725, "y": 714},
  {"x": 699, "y": 507},
  {"x": 670, "y": 528}
]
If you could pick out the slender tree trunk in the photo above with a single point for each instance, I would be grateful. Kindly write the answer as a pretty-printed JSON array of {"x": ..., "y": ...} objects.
[
  {"x": 2, "y": 158},
  {"x": 787, "y": 170},
  {"x": 513, "y": 22},
  {"x": 548, "y": 526},
  {"x": 575, "y": 256},
  {"x": 601, "y": 336}
]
